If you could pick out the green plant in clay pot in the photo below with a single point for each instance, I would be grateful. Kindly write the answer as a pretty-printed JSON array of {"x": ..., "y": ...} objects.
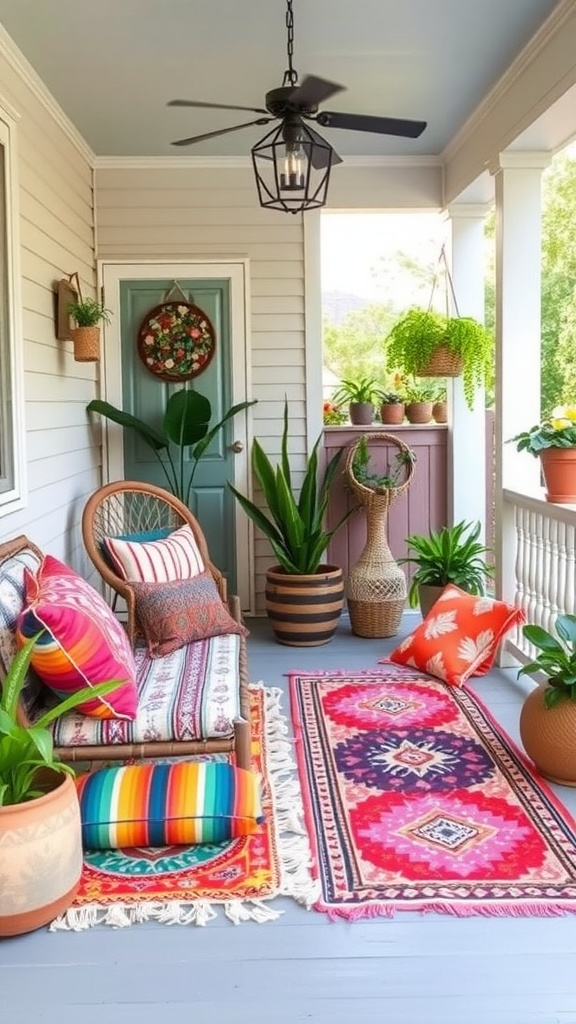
[
  {"x": 453, "y": 554},
  {"x": 422, "y": 335},
  {"x": 361, "y": 393}
]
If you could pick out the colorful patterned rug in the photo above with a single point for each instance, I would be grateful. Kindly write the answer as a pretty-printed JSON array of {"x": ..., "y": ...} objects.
[
  {"x": 187, "y": 884},
  {"x": 416, "y": 799}
]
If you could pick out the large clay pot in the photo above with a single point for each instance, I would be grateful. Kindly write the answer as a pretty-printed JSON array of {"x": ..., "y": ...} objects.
[
  {"x": 392, "y": 413},
  {"x": 361, "y": 413},
  {"x": 559, "y": 470},
  {"x": 427, "y": 596},
  {"x": 40, "y": 857},
  {"x": 304, "y": 610},
  {"x": 549, "y": 736},
  {"x": 419, "y": 412}
]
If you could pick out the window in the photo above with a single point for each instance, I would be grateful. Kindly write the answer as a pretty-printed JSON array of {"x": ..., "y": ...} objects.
[{"x": 11, "y": 419}]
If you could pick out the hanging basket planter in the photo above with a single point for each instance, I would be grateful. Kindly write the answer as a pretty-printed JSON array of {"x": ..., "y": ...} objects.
[
  {"x": 86, "y": 344},
  {"x": 442, "y": 363}
]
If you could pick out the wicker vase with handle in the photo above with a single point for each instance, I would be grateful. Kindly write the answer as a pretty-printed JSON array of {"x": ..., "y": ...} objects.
[{"x": 376, "y": 585}]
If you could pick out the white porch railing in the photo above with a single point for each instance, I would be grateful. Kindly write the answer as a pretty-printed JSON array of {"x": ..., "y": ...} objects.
[{"x": 543, "y": 568}]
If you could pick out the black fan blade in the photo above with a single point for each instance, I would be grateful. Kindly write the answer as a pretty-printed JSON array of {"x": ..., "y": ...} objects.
[
  {"x": 312, "y": 91},
  {"x": 221, "y": 131},
  {"x": 367, "y": 123},
  {"x": 213, "y": 106},
  {"x": 320, "y": 156}
]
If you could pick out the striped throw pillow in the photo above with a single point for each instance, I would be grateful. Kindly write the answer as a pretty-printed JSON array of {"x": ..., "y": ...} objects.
[
  {"x": 81, "y": 642},
  {"x": 168, "y": 804},
  {"x": 176, "y": 557}
]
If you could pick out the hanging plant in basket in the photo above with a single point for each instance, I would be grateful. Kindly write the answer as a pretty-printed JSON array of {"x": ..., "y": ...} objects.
[
  {"x": 429, "y": 344},
  {"x": 176, "y": 341}
]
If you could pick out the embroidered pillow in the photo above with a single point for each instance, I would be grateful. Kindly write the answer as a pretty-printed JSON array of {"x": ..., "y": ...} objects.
[
  {"x": 459, "y": 637},
  {"x": 173, "y": 614},
  {"x": 168, "y": 804},
  {"x": 82, "y": 642},
  {"x": 176, "y": 557}
]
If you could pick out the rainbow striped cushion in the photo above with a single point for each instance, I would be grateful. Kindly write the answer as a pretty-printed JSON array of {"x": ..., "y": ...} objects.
[
  {"x": 81, "y": 644},
  {"x": 168, "y": 804},
  {"x": 177, "y": 557}
]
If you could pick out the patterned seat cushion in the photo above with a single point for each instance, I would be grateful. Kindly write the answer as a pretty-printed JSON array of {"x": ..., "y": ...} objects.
[
  {"x": 12, "y": 596},
  {"x": 192, "y": 693}
]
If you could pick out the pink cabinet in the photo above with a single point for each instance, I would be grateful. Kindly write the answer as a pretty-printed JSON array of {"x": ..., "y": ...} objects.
[{"x": 422, "y": 507}]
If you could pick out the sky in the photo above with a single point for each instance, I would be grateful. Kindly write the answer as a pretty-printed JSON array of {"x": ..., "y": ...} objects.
[{"x": 359, "y": 250}]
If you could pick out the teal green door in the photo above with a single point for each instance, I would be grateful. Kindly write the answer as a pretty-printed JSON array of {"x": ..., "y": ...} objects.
[{"x": 145, "y": 396}]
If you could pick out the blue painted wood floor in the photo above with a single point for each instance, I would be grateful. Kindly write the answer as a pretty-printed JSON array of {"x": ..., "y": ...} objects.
[{"x": 413, "y": 969}]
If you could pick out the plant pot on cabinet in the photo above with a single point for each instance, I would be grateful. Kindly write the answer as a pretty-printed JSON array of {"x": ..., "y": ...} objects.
[
  {"x": 549, "y": 736},
  {"x": 304, "y": 610},
  {"x": 361, "y": 413},
  {"x": 40, "y": 856},
  {"x": 559, "y": 471},
  {"x": 419, "y": 412},
  {"x": 440, "y": 412},
  {"x": 86, "y": 344},
  {"x": 392, "y": 413}
]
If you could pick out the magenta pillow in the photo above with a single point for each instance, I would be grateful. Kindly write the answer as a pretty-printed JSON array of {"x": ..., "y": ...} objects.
[
  {"x": 82, "y": 643},
  {"x": 173, "y": 614}
]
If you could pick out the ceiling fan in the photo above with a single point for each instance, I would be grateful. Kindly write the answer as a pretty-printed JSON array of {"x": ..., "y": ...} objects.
[{"x": 296, "y": 104}]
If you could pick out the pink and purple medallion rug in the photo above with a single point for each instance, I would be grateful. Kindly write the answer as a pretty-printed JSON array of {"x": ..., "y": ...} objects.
[{"x": 415, "y": 799}]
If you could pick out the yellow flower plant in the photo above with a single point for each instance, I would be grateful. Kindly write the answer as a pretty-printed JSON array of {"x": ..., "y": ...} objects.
[{"x": 557, "y": 432}]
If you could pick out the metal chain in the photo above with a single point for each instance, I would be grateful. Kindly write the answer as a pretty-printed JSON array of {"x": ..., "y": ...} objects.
[{"x": 290, "y": 76}]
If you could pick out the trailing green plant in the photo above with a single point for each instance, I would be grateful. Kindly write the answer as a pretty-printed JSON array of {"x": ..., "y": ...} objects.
[
  {"x": 24, "y": 750},
  {"x": 450, "y": 555},
  {"x": 557, "y": 432},
  {"x": 359, "y": 389},
  {"x": 293, "y": 525},
  {"x": 556, "y": 659},
  {"x": 419, "y": 333},
  {"x": 395, "y": 475},
  {"x": 89, "y": 312},
  {"x": 186, "y": 425}
]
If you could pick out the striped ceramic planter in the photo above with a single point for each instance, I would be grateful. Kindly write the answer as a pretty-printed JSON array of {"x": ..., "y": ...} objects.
[{"x": 304, "y": 610}]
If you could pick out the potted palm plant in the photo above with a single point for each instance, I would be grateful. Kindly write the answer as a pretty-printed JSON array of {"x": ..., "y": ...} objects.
[
  {"x": 39, "y": 810},
  {"x": 361, "y": 393},
  {"x": 548, "y": 715},
  {"x": 450, "y": 555},
  {"x": 88, "y": 314},
  {"x": 304, "y": 595},
  {"x": 429, "y": 344},
  {"x": 554, "y": 442}
]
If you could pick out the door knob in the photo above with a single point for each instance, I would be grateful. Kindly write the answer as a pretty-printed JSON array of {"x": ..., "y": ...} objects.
[{"x": 237, "y": 446}]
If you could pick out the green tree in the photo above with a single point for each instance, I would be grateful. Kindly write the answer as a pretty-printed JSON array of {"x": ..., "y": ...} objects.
[
  {"x": 354, "y": 348},
  {"x": 559, "y": 283}
]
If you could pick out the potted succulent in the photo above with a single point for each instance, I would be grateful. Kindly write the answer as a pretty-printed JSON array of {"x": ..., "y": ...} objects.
[
  {"x": 554, "y": 442},
  {"x": 430, "y": 344},
  {"x": 39, "y": 809},
  {"x": 548, "y": 715},
  {"x": 361, "y": 393},
  {"x": 304, "y": 596},
  {"x": 450, "y": 555},
  {"x": 392, "y": 407},
  {"x": 88, "y": 314},
  {"x": 419, "y": 401}
]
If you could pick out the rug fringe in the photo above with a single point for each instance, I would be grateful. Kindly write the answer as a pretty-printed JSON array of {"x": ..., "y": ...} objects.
[
  {"x": 293, "y": 848},
  {"x": 373, "y": 910}
]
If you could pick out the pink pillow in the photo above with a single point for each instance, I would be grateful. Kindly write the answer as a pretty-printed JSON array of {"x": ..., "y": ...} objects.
[
  {"x": 176, "y": 557},
  {"x": 82, "y": 644}
]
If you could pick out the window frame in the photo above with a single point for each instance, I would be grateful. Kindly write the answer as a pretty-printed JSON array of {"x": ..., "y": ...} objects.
[{"x": 13, "y": 483}]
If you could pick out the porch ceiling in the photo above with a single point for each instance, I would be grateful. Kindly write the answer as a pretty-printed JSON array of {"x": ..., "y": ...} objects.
[{"x": 112, "y": 65}]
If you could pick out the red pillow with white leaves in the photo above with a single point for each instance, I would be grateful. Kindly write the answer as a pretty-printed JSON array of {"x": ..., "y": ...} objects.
[{"x": 459, "y": 637}]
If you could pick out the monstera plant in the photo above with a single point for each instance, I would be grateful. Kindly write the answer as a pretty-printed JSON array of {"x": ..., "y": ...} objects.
[{"x": 186, "y": 425}]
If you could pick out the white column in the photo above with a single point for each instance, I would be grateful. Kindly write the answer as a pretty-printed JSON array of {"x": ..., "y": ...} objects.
[
  {"x": 467, "y": 431},
  {"x": 518, "y": 285}
]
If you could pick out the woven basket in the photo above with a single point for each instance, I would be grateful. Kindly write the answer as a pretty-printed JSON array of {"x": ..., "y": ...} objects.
[
  {"x": 442, "y": 363},
  {"x": 86, "y": 344},
  {"x": 376, "y": 586}
]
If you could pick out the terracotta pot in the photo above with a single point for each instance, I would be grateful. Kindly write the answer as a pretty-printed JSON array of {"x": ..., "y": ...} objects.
[
  {"x": 40, "y": 857},
  {"x": 549, "y": 736},
  {"x": 427, "y": 596},
  {"x": 440, "y": 412},
  {"x": 361, "y": 413},
  {"x": 392, "y": 412},
  {"x": 304, "y": 610},
  {"x": 419, "y": 412},
  {"x": 559, "y": 469}
]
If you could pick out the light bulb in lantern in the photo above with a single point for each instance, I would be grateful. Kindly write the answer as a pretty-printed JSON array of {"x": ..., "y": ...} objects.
[{"x": 293, "y": 173}]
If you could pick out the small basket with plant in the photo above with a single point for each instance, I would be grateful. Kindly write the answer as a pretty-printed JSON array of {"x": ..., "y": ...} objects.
[{"x": 87, "y": 314}]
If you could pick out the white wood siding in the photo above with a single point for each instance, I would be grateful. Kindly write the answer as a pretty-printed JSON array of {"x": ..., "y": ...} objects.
[{"x": 57, "y": 238}]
